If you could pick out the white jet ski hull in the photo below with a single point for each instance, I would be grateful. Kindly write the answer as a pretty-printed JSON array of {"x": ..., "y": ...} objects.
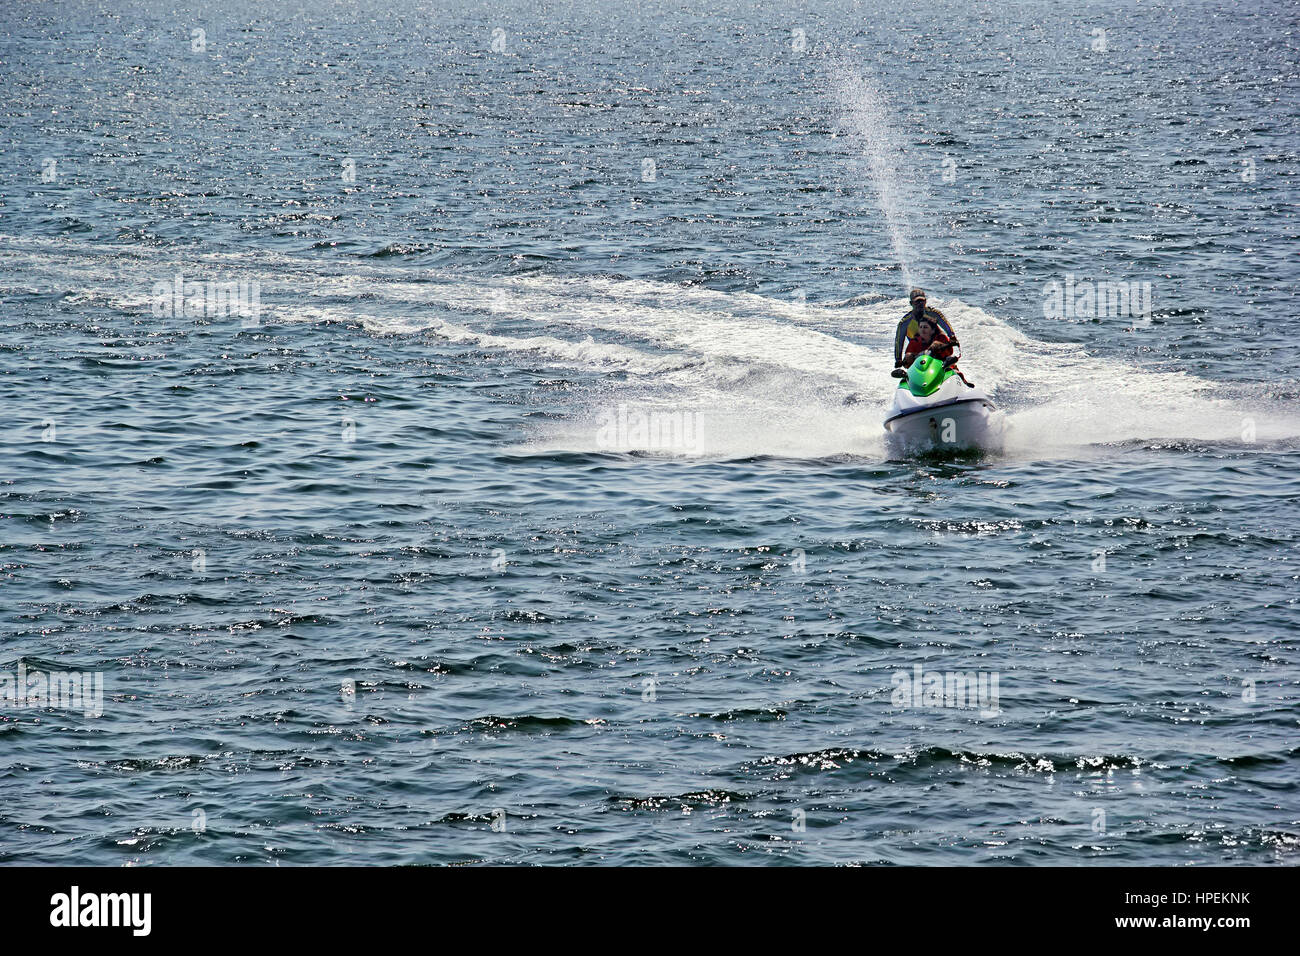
[{"x": 954, "y": 418}]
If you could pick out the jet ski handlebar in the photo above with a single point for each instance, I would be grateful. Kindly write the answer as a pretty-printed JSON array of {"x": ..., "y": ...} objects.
[{"x": 901, "y": 372}]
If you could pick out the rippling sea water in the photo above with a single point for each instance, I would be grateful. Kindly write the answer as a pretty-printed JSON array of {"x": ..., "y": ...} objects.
[{"x": 377, "y": 578}]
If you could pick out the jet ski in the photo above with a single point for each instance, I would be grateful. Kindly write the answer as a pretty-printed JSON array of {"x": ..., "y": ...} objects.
[{"x": 934, "y": 409}]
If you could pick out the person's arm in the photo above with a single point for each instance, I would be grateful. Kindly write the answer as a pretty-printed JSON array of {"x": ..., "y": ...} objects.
[
  {"x": 949, "y": 353},
  {"x": 941, "y": 323},
  {"x": 899, "y": 338}
]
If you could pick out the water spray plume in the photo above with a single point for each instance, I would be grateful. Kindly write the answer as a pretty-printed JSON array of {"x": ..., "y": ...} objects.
[{"x": 865, "y": 115}]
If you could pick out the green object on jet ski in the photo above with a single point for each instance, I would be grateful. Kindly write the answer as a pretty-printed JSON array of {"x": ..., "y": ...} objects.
[{"x": 925, "y": 376}]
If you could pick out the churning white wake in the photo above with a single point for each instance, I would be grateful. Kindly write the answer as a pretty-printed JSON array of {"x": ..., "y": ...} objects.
[
  {"x": 768, "y": 377},
  {"x": 758, "y": 375}
]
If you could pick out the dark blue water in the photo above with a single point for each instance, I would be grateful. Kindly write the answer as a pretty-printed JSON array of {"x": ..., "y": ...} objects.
[{"x": 376, "y": 575}]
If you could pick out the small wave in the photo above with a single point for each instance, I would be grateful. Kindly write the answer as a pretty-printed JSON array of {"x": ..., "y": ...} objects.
[
  {"x": 528, "y": 723},
  {"x": 399, "y": 249},
  {"x": 696, "y": 799},
  {"x": 755, "y": 713},
  {"x": 931, "y": 757}
]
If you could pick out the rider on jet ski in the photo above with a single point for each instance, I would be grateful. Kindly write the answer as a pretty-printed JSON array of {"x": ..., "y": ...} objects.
[
  {"x": 920, "y": 330},
  {"x": 924, "y": 330}
]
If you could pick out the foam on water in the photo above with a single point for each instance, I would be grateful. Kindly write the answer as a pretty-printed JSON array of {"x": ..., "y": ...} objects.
[
  {"x": 762, "y": 375},
  {"x": 778, "y": 387}
]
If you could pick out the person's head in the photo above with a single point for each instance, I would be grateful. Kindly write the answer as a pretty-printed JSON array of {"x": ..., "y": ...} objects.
[
  {"x": 917, "y": 298},
  {"x": 925, "y": 330}
]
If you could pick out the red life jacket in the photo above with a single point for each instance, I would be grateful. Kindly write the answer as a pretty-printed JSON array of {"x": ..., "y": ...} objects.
[{"x": 944, "y": 350}]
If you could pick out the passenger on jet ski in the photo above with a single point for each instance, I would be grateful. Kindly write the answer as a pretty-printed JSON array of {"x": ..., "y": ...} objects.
[
  {"x": 909, "y": 331},
  {"x": 928, "y": 338}
]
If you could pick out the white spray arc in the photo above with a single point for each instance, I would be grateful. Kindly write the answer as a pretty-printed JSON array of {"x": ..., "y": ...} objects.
[{"x": 865, "y": 115}]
